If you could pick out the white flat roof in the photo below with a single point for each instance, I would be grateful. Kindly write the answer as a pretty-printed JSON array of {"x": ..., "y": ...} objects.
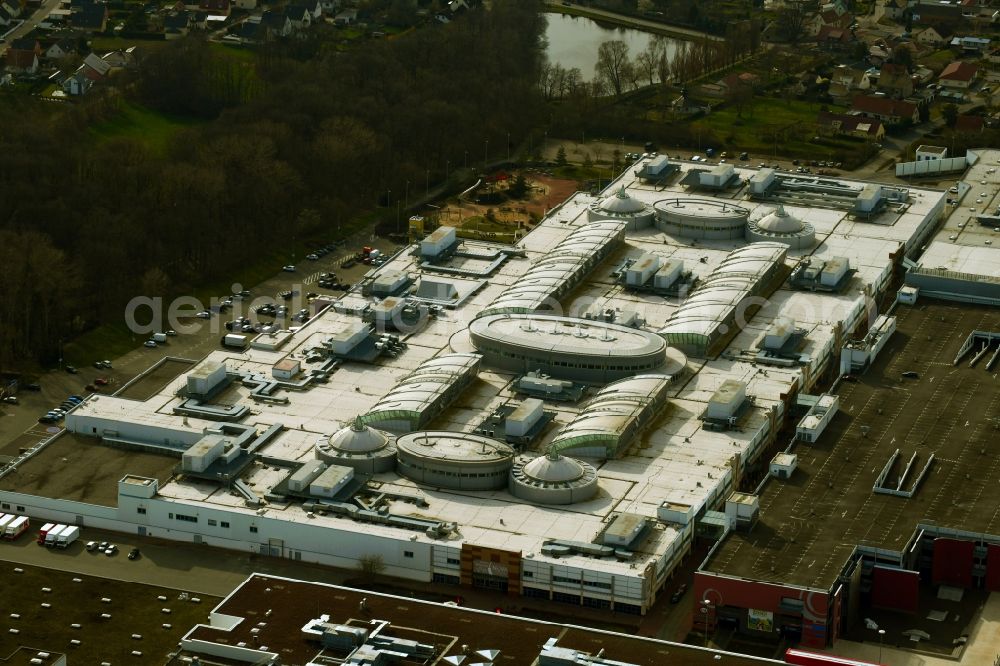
[{"x": 674, "y": 461}]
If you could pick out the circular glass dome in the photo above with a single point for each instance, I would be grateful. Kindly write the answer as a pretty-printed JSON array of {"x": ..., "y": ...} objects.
[
  {"x": 621, "y": 203},
  {"x": 554, "y": 468},
  {"x": 780, "y": 222},
  {"x": 358, "y": 438}
]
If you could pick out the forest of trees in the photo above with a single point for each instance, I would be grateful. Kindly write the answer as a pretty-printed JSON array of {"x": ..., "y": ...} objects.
[{"x": 298, "y": 143}]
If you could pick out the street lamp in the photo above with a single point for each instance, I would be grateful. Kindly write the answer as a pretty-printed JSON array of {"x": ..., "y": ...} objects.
[
  {"x": 706, "y": 605},
  {"x": 486, "y": 154},
  {"x": 881, "y": 634},
  {"x": 508, "y": 146},
  {"x": 406, "y": 195}
]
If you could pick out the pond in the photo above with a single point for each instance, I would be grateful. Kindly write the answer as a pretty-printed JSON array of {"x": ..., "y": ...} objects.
[{"x": 573, "y": 41}]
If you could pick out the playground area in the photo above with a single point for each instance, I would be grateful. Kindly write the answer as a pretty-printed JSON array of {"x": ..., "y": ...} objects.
[{"x": 489, "y": 210}]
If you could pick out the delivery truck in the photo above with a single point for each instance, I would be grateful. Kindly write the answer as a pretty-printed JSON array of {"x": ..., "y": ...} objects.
[
  {"x": 234, "y": 340},
  {"x": 5, "y": 519},
  {"x": 70, "y": 534},
  {"x": 46, "y": 528},
  {"x": 16, "y": 528},
  {"x": 159, "y": 337},
  {"x": 50, "y": 538}
]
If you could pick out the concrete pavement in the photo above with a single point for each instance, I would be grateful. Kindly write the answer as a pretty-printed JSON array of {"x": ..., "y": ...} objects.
[{"x": 29, "y": 24}]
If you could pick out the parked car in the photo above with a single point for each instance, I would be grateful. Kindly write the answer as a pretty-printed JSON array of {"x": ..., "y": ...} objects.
[
  {"x": 679, "y": 593},
  {"x": 111, "y": 550},
  {"x": 204, "y": 314},
  {"x": 91, "y": 546},
  {"x": 910, "y": 374},
  {"x": 290, "y": 268},
  {"x": 311, "y": 257},
  {"x": 71, "y": 369},
  {"x": 46, "y": 419},
  {"x": 150, "y": 343},
  {"x": 134, "y": 554},
  {"x": 849, "y": 378},
  {"x": 101, "y": 381},
  {"x": 11, "y": 400},
  {"x": 171, "y": 333},
  {"x": 32, "y": 387}
]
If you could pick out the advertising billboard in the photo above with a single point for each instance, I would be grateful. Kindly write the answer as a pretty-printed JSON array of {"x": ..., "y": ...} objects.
[{"x": 759, "y": 620}]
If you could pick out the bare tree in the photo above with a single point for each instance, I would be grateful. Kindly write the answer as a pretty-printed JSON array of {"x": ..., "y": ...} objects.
[
  {"x": 371, "y": 565},
  {"x": 613, "y": 65}
]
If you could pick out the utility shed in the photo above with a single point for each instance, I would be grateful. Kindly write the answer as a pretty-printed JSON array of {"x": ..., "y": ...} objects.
[
  {"x": 624, "y": 530},
  {"x": 726, "y": 400},
  {"x": 331, "y": 481},
  {"x": 206, "y": 377},
  {"x": 202, "y": 453},
  {"x": 304, "y": 475},
  {"x": 642, "y": 270},
  {"x": 285, "y": 369},
  {"x": 523, "y": 418}
]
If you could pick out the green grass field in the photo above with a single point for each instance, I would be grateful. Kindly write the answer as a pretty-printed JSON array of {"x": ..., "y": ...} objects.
[
  {"x": 150, "y": 127},
  {"x": 768, "y": 125}
]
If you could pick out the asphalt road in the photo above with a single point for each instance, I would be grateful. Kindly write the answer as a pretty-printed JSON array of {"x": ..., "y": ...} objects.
[
  {"x": 195, "y": 568},
  {"x": 30, "y": 23}
]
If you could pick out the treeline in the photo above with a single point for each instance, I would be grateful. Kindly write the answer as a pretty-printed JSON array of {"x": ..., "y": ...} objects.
[{"x": 288, "y": 148}]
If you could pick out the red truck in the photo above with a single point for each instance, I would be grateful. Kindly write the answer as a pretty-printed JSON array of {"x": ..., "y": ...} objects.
[{"x": 46, "y": 528}]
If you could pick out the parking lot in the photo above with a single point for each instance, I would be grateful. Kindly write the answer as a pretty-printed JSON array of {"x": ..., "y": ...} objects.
[{"x": 19, "y": 427}]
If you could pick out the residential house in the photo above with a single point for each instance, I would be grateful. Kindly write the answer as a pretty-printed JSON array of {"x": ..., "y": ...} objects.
[
  {"x": 971, "y": 45},
  {"x": 878, "y": 54},
  {"x": 930, "y": 36},
  {"x": 834, "y": 39},
  {"x": 815, "y": 23},
  {"x": 95, "y": 67},
  {"x": 13, "y": 8},
  {"x": 61, "y": 49},
  {"x": 894, "y": 80},
  {"x": 28, "y": 44},
  {"x": 945, "y": 18},
  {"x": 845, "y": 81},
  {"x": 346, "y": 17},
  {"x": 738, "y": 80},
  {"x": 277, "y": 23},
  {"x": 891, "y": 9},
  {"x": 76, "y": 84},
  {"x": 857, "y": 126},
  {"x": 122, "y": 59},
  {"x": 254, "y": 32},
  {"x": 176, "y": 25},
  {"x": 971, "y": 124},
  {"x": 90, "y": 17},
  {"x": 925, "y": 153},
  {"x": 958, "y": 74},
  {"x": 315, "y": 8},
  {"x": 299, "y": 17},
  {"x": 889, "y": 111},
  {"x": 215, "y": 7},
  {"x": 21, "y": 62}
]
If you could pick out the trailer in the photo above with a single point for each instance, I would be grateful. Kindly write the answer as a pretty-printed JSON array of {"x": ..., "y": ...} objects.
[
  {"x": 16, "y": 528},
  {"x": 234, "y": 340},
  {"x": 46, "y": 528},
  {"x": 50, "y": 537},
  {"x": 70, "y": 534},
  {"x": 5, "y": 520}
]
